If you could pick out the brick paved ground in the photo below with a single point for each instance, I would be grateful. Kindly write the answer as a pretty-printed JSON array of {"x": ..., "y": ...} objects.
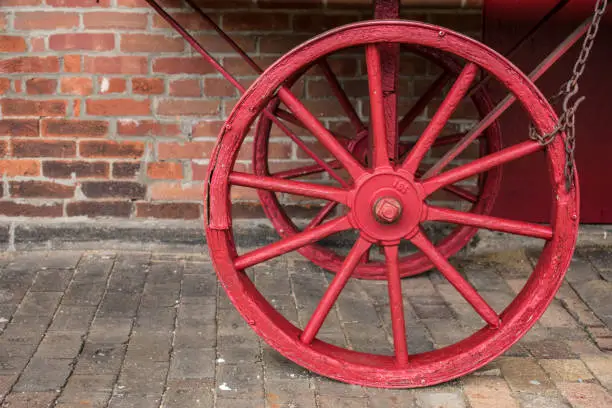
[{"x": 110, "y": 329}]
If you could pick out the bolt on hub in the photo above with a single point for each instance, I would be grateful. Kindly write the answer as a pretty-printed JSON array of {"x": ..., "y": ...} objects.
[{"x": 387, "y": 210}]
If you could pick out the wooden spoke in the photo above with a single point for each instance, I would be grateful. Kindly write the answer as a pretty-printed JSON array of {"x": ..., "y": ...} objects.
[
  {"x": 321, "y": 133},
  {"x": 291, "y": 243},
  {"x": 423, "y": 101},
  {"x": 491, "y": 223},
  {"x": 467, "y": 291},
  {"x": 450, "y": 103},
  {"x": 480, "y": 165},
  {"x": 333, "y": 291},
  {"x": 396, "y": 303},
  {"x": 305, "y": 170},
  {"x": 343, "y": 99},
  {"x": 322, "y": 214},
  {"x": 377, "y": 108},
  {"x": 288, "y": 186}
]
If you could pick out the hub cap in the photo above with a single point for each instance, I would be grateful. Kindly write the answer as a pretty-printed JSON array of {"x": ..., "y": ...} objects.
[
  {"x": 387, "y": 210},
  {"x": 387, "y": 206}
]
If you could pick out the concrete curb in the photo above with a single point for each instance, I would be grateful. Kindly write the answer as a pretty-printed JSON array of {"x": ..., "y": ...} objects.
[{"x": 188, "y": 236}]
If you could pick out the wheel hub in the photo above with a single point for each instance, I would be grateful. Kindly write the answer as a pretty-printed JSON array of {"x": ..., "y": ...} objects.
[
  {"x": 387, "y": 206},
  {"x": 387, "y": 210}
]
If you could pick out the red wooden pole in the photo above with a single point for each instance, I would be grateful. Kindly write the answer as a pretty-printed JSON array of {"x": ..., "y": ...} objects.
[{"x": 389, "y": 56}]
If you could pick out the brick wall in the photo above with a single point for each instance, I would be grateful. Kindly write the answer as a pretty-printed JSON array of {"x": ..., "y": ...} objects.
[{"x": 106, "y": 112}]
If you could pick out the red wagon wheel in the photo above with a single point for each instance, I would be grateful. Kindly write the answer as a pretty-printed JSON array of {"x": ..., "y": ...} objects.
[
  {"x": 386, "y": 205},
  {"x": 480, "y": 202}
]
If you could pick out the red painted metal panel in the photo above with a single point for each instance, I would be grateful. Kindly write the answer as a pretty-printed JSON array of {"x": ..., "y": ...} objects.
[{"x": 524, "y": 194}]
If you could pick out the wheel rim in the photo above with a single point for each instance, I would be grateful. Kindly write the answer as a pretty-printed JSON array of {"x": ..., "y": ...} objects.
[
  {"x": 427, "y": 368},
  {"x": 409, "y": 265}
]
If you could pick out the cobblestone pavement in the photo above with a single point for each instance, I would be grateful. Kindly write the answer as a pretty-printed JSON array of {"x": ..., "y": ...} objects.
[{"x": 118, "y": 329}]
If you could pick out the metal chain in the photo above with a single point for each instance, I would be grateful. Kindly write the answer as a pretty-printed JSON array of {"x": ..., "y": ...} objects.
[{"x": 569, "y": 91}]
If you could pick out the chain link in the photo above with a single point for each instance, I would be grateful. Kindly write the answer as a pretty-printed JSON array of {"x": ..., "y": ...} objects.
[{"x": 569, "y": 91}]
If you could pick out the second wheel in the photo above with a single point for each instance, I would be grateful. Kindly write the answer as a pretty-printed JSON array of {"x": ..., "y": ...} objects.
[{"x": 478, "y": 198}]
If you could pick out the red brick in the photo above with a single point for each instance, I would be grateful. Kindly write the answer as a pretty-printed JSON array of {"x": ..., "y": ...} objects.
[
  {"x": 151, "y": 43},
  {"x": 11, "y": 209},
  {"x": 24, "y": 107},
  {"x": 76, "y": 108},
  {"x": 190, "y": 150},
  {"x": 47, "y": 148},
  {"x": 276, "y": 150},
  {"x": 147, "y": 128},
  {"x": 46, "y": 20},
  {"x": 37, "y": 44},
  {"x": 227, "y": 105},
  {"x": 14, "y": 168},
  {"x": 359, "y": 4},
  {"x": 165, "y": 171},
  {"x": 41, "y": 86},
  {"x": 280, "y": 44},
  {"x": 181, "y": 65},
  {"x": 143, "y": 4},
  {"x": 300, "y": 4},
  {"x": 316, "y": 147},
  {"x": 191, "y": 21},
  {"x": 19, "y": 127},
  {"x": 64, "y": 169},
  {"x": 215, "y": 44},
  {"x": 191, "y": 107},
  {"x": 79, "y": 3},
  {"x": 116, "y": 65},
  {"x": 3, "y": 21},
  {"x": 11, "y": 43},
  {"x": 112, "y": 85},
  {"x": 21, "y": 3},
  {"x": 107, "y": 189},
  {"x": 210, "y": 128},
  {"x": 218, "y": 87},
  {"x": 40, "y": 189},
  {"x": 5, "y": 85},
  {"x": 324, "y": 107},
  {"x": 72, "y": 63},
  {"x": 74, "y": 128},
  {"x": 118, "y": 107},
  {"x": 243, "y": 194},
  {"x": 321, "y": 22},
  {"x": 111, "y": 149},
  {"x": 148, "y": 86},
  {"x": 173, "y": 191},
  {"x": 82, "y": 42},
  {"x": 185, "y": 211},
  {"x": 185, "y": 88},
  {"x": 342, "y": 67},
  {"x": 238, "y": 67},
  {"x": 4, "y": 148},
  {"x": 357, "y": 88},
  {"x": 29, "y": 64},
  {"x": 199, "y": 171},
  {"x": 76, "y": 86},
  {"x": 132, "y": 3},
  {"x": 125, "y": 170},
  {"x": 117, "y": 20},
  {"x": 95, "y": 209},
  {"x": 254, "y": 211},
  {"x": 250, "y": 21}
]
